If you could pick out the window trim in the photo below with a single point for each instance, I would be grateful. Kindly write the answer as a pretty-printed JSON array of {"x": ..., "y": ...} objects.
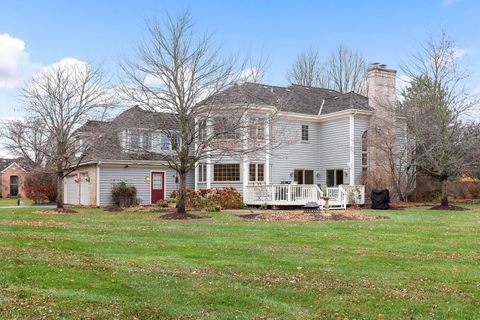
[
  {"x": 237, "y": 165},
  {"x": 131, "y": 134},
  {"x": 305, "y": 133},
  {"x": 202, "y": 173},
  {"x": 302, "y": 171},
  {"x": 335, "y": 182},
  {"x": 256, "y": 165},
  {"x": 257, "y": 128},
  {"x": 364, "y": 147}
]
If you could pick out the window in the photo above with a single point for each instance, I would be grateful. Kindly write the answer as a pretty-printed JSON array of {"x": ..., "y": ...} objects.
[
  {"x": 134, "y": 140},
  {"x": 334, "y": 177},
  {"x": 257, "y": 128},
  {"x": 301, "y": 176},
  {"x": 304, "y": 132},
  {"x": 175, "y": 142},
  {"x": 223, "y": 128},
  {"x": 202, "y": 172},
  {"x": 226, "y": 172},
  {"x": 202, "y": 130},
  {"x": 157, "y": 181},
  {"x": 256, "y": 172},
  {"x": 364, "y": 150},
  {"x": 147, "y": 140}
]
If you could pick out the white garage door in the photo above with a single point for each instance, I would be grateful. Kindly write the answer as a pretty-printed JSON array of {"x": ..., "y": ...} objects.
[{"x": 71, "y": 191}]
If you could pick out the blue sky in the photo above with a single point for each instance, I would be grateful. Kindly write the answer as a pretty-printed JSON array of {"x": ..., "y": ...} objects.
[{"x": 106, "y": 31}]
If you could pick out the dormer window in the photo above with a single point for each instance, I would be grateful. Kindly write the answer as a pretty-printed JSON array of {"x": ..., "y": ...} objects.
[
  {"x": 134, "y": 140},
  {"x": 147, "y": 141},
  {"x": 164, "y": 142},
  {"x": 169, "y": 143}
]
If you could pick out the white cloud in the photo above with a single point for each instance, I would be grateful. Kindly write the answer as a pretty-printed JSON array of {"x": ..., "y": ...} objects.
[
  {"x": 403, "y": 82},
  {"x": 250, "y": 75},
  {"x": 446, "y": 3},
  {"x": 462, "y": 52},
  {"x": 14, "y": 61},
  {"x": 65, "y": 63}
]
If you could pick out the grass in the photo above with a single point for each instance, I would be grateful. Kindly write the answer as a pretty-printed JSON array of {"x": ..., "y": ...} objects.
[
  {"x": 418, "y": 264},
  {"x": 13, "y": 201}
]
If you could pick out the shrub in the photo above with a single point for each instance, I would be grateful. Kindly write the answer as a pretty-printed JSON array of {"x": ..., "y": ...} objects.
[
  {"x": 242, "y": 205},
  {"x": 264, "y": 206},
  {"x": 162, "y": 203},
  {"x": 171, "y": 200},
  {"x": 214, "y": 208},
  {"x": 124, "y": 195},
  {"x": 40, "y": 186},
  {"x": 226, "y": 198}
]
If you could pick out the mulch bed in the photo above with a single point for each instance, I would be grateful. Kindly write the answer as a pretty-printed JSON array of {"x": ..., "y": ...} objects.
[
  {"x": 303, "y": 216},
  {"x": 138, "y": 209},
  {"x": 449, "y": 208},
  {"x": 180, "y": 216},
  {"x": 55, "y": 211}
]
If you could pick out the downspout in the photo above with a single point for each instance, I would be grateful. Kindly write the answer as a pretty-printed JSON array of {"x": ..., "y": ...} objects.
[
  {"x": 98, "y": 184},
  {"x": 352, "y": 147}
]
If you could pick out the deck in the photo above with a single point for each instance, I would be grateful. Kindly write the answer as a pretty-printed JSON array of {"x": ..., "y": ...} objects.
[{"x": 301, "y": 194}]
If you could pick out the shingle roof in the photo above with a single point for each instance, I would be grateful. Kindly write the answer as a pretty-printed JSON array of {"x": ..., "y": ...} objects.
[
  {"x": 107, "y": 145},
  {"x": 295, "y": 98},
  {"x": 91, "y": 125},
  {"x": 5, "y": 162}
]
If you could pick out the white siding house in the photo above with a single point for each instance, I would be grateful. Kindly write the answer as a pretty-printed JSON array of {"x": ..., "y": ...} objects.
[{"x": 324, "y": 151}]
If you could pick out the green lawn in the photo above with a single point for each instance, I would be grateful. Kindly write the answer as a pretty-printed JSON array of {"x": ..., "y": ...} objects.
[
  {"x": 13, "y": 201},
  {"x": 418, "y": 264}
]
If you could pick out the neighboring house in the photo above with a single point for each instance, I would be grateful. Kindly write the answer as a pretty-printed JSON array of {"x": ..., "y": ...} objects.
[
  {"x": 328, "y": 146},
  {"x": 12, "y": 172}
]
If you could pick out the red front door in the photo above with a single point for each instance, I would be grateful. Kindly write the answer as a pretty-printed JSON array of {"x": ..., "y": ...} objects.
[{"x": 157, "y": 186}]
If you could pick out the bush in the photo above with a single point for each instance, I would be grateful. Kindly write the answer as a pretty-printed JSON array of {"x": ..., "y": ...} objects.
[
  {"x": 40, "y": 186},
  {"x": 429, "y": 189},
  {"x": 162, "y": 203},
  {"x": 214, "y": 208},
  {"x": 124, "y": 195},
  {"x": 264, "y": 206},
  {"x": 242, "y": 206},
  {"x": 225, "y": 198}
]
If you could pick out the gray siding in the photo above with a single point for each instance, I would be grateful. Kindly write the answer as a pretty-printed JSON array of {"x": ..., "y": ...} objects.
[
  {"x": 135, "y": 175},
  {"x": 334, "y": 151},
  {"x": 295, "y": 153},
  {"x": 360, "y": 126}
]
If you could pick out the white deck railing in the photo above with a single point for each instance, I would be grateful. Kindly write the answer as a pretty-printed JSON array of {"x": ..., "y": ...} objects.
[
  {"x": 301, "y": 194},
  {"x": 355, "y": 194},
  {"x": 283, "y": 194}
]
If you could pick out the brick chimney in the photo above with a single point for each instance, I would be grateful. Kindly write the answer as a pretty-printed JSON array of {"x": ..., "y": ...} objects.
[
  {"x": 382, "y": 97},
  {"x": 381, "y": 86}
]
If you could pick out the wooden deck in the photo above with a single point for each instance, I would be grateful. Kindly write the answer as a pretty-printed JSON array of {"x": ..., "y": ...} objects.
[{"x": 301, "y": 194}]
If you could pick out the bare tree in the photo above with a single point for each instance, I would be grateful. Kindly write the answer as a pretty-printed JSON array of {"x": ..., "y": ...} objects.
[
  {"x": 59, "y": 99},
  {"x": 347, "y": 70},
  {"x": 308, "y": 70},
  {"x": 22, "y": 138},
  {"x": 434, "y": 106},
  {"x": 395, "y": 148},
  {"x": 187, "y": 77}
]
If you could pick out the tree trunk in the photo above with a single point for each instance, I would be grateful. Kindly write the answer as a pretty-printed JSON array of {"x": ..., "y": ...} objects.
[
  {"x": 59, "y": 188},
  {"x": 444, "y": 193},
  {"x": 182, "y": 193}
]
